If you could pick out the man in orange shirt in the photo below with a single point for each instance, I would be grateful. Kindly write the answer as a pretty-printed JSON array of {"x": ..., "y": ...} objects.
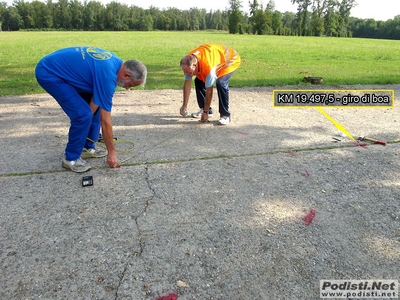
[{"x": 210, "y": 63}]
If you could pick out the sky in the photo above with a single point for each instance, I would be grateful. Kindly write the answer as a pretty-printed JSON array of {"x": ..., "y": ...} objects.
[{"x": 380, "y": 10}]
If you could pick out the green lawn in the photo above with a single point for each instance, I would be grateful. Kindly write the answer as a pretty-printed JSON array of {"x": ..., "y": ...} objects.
[{"x": 266, "y": 60}]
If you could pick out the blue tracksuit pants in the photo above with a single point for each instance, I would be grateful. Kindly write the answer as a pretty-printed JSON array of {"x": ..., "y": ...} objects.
[
  {"x": 83, "y": 123},
  {"x": 222, "y": 85}
]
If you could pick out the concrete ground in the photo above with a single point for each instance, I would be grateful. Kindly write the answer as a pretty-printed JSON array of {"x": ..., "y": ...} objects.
[{"x": 199, "y": 210}]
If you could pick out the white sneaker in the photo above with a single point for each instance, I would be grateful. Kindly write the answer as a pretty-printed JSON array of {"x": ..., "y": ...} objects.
[
  {"x": 78, "y": 166},
  {"x": 224, "y": 120},
  {"x": 200, "y": 112}
]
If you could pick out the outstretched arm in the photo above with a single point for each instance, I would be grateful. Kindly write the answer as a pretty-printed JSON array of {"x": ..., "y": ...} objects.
[
  {"x": 207, "y": 104},
  {"x": 107, "y": 132},
  {"x": 187, "y": 87}
]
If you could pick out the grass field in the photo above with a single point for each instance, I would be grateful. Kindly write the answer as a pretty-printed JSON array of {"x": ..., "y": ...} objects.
[{"x": 266, "y": 60}]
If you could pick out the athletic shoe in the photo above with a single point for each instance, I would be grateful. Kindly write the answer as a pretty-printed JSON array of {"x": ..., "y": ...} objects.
[
  {"x": 78, "y": 166},
  {"x": 200, "y": 112},
  {"x": 93, "y": 153},
  {"x": 224, "y": 120}
]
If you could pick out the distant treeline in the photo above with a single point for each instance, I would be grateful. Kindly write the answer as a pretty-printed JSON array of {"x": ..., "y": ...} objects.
[{"x": 314, "y": 18}]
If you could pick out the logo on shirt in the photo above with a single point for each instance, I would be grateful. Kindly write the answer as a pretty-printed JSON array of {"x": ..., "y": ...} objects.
[{"x": 97, "y": 53}]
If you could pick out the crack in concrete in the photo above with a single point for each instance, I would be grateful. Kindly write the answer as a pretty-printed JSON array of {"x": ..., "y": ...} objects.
[
  {"x": 142, "y": 243},
  {"x": 146, "y": 205}
]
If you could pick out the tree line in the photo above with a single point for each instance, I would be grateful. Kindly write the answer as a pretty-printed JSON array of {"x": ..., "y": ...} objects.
[{"x": 313, "y": 18}]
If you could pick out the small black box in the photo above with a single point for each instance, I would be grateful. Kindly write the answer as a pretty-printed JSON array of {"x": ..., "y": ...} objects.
[{"x": 87, "y": 180}]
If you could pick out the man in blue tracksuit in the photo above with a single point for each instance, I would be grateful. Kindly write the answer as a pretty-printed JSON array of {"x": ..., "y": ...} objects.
[{"x": 83, "y": 81}]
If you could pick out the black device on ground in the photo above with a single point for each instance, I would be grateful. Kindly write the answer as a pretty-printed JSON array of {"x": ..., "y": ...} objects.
[{"x": 87, "y": 180}]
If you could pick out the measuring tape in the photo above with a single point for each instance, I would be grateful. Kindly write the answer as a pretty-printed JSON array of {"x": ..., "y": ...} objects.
[{"x": 132, "y": 145}]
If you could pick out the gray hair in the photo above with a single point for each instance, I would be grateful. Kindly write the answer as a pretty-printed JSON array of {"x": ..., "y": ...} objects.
[
  {"x": 187, "y": 60},
  {"x": 137, "y": 69}
]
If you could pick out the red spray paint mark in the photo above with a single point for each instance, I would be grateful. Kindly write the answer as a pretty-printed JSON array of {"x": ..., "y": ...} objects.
[
  {"x": 360, "y": 145},
  {"x": 243, "y": 132},
  {"x": 168, "y": 297},
  {"x": 309, "y": 217}
]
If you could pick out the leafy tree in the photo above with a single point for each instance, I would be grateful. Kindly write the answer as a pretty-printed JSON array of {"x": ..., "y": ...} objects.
[
  {"x": 317, "y": 24},
  {"x": 41, "y": 14},
  {"x": 302, "y": 15},
  {"x": 217, "y": 21},
  {"x": 194, "y": 19},
  {"x": 76, "y": 10},
  {"x": 25, "y": 11},
  {"x": 269, "y": 10},
  {"x": 117, "y": 16},
  {"x": 164, "y": 22},
  {"x": 184, "y": 22},
  {"x": 345, "y": 7},
  {"x": 93, "y": 16},
  {"x": 391, "y": 29},
  {"x": 171, "y": 17},
  {"x": 12, "y": 21},
  {"x": 289, "y": 20},
  {"x": 317, "y": 20},
  {"x": 370, "y": 28},
  {"x": 259, "y": 22},
  {"x": 331, "y": 22},
  {"x": 314, "y": 17},
  {"x": 3, "y": 7},
  {"x": 135, "y": 17},
  {"x": 277, "y": 24},
  {"x": 62, "y": 15},
  {"x": 253, "y": 7},
  {"x": 235, "y": 16},
  {"x": 225, "y": 20},
  {"x": 146, "y": 23}
]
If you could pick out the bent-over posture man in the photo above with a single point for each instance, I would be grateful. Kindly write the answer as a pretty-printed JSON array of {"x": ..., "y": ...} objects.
[
  {"x": 83, "y": 80},
  {"x": 210, "y": 63}
]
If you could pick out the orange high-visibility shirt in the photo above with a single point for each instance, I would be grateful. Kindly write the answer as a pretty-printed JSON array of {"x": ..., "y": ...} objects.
[{"x": 215, "y": 61}]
